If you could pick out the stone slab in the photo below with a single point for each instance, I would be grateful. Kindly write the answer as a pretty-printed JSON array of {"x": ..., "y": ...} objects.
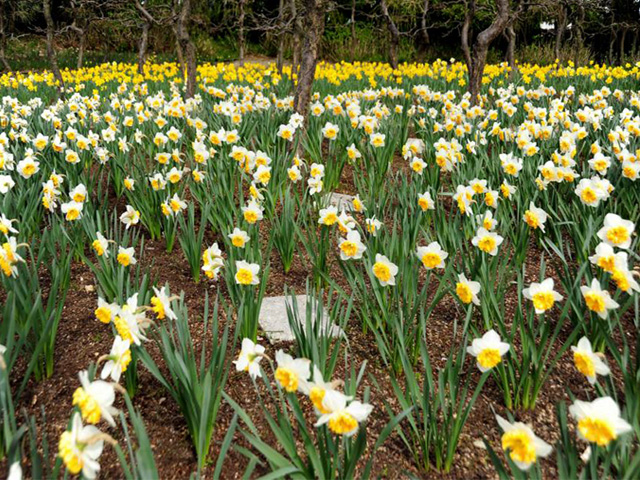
[
  {"x": 342, "y": 201},
  {"x": 275, "y": 323}
]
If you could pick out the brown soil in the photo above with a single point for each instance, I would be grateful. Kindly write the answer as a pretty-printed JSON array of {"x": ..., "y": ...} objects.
[{"x": 82, "y": 340}]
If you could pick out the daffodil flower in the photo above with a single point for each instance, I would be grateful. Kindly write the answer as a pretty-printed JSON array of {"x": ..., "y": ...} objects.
[
  {"x": 384, "y": 270},
  {"x": 587, "y": 361},
  {"x": 95, "y": 400},
  {"x": 488, "y": 350},
  {"x": 249, "y": 359},
  {"x": 343, "y": 418},
  {"x": 599, "y": 421},
  {"x": 598, "y": 300},
  {"x": 542, "y": 295},
  {"x": 521, "y": 444},
  {"x": 80, "y": 448},
  {"x": 292, "y": 373},
  {"x": 467, "y": 291}
]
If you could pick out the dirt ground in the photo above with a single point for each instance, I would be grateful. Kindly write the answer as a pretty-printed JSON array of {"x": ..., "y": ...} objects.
[{"x": 82, "y": 339}]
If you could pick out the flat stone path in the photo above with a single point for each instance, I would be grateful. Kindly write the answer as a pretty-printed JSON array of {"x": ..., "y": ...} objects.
[{"x": 275, "y": 323}]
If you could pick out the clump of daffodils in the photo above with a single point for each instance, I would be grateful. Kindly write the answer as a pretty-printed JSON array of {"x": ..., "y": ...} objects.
[{"x": 341, "y": 413}]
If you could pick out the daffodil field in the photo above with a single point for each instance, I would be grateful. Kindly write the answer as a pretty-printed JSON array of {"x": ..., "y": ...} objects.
[{"x": 481, "y": 273}]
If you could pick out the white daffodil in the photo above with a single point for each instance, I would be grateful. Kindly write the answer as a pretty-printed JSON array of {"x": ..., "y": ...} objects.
[
  {"x": 521, "y": 444},
  {"x": 542, "y": 295},
  {"x": 95, "y": 399},
  {"x": 488, "y": 350},
  {"x": 432, "y": 256},
  {"x": 252, "y": 212},
  {"x": 351, "y": 248},
  {"x": 101, "y": 245},
  {"x": 318, "y": 388},
  {"x": 292, "y": 373},
  {"x": 249, "y": 359},
  {"x": 72, "y": 210},
  {"x": 80, "y": 448},
  {"x": 6, "y": 225},
  {"x": 126, "y": 256},
  {"x": 247, "y": 273},
  {"x": 328, "y": 216},
  {"x": 597, "y": 299},
  {"x": 616, "y": 231},
  {"x": 239, "y": 238},
  {"x": 487, "y": 241},
  {"x": 467, "y": 291},
  {"x": 425, "y": 202},
  {"x": 130, "y": 217},
  {"x": 604, "y": 257},
  {"x": 118, "y": 359},
  {"x": 161, "y": 304},
  {"x": 384, "y": 270},
  {"x": 587, "y": 361},
  {"x": 599, "y": 421},
  {"x": 535, "y": 217},
  {"x": 342, "y": 418}
]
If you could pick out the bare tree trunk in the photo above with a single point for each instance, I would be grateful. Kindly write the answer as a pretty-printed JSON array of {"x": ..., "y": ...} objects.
[
  {"x": 423, "y": 23},
  {"x": 297, "y": 52},
  {"x": 147, "y": 20},
  {"x": 185, "y": 43},
  {"x": 51, "y": 53},
  {"x": 179, "y": 54},
  {"x": 314, "y": 12},
  {"x": 622, "y": 43},
  {"x": 241, "y": 46},
  {"x": 82, "y": 36},
  {"x": 561, "y": 26},
  {"x": 142, "y": 47},
  {"x": 394, "y": 34},
  {"x": 477, "y": 58},
  {"x": 511, "y": 51},
  {"x": 298, "y": 35},
  {"x": 579, "y": 29},
  {"x": 465, "y": 33},
  {"x": 612, "y": 41},
  {"x": 3, "y": 40},
  {"x": 81, "y": 48},
  {"x": 354, "y": 39},
  {"x": 280, "y": 55}
]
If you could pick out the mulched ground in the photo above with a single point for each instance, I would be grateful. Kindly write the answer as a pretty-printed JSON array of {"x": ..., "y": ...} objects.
[{"x": 82, "y": 339}]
